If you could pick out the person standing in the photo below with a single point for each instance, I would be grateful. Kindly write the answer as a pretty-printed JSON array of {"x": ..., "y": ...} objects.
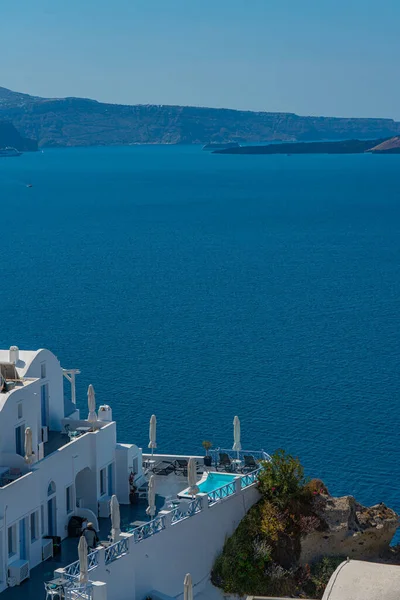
[{"x": 90, "y": 536}]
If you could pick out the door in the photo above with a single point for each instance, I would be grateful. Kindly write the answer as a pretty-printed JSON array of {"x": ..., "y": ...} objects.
[
  {"x": 51, "y": 517},
  {"x": 44, "y": 396},
  {"x": 20, "y": 440},
  {"x": 22, "y": 539}
]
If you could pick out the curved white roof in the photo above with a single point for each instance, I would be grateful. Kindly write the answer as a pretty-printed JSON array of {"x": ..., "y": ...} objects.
[
  {"x": 25, "y": 359},
  {"x": 360, "y": 580}
]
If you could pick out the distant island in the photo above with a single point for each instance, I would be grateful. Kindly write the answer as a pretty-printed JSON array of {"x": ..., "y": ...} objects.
[
  {"x": 380, "y": 146},
  {"x": 58, "y": 122}
]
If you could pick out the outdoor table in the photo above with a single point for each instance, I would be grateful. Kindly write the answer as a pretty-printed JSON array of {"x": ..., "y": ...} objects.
[
  {"x": 149, "y": 464},
  {"x": 237, "y": 463}
]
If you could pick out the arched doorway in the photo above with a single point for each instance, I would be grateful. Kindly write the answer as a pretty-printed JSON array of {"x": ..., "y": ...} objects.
[
  {"x": 86, "y": 492},
  {"x": 51, "y": 509}
]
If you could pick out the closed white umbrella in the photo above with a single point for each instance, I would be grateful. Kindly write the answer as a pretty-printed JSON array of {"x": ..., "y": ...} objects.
[
  {"x": 151, "y": 496},
  {"x": 83, "y": 560},
  {"x": 188, "y": 587},
  {"x": 92, "y": 417},
  {"x": 28, "y": 446},
  {"x": 192, "y": 477},
  {"x": 115, "y": 519},
  {"x": 153, "y": 433},
  {"x": 236, "y": 436}
]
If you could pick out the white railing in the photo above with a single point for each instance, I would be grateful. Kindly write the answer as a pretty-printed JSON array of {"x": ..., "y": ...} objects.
[
  {"x": 83, "y": 591},
  {"x": 183, "y": 512},
  {"x": 257, "y": 455},
  {"x": 72, "y": 571},
  {"x": 116, "y": 550},
  {"x": 223, "y": 492},
  {"x": 249, "y": 479},
  {"x": 148, "y": 529}
]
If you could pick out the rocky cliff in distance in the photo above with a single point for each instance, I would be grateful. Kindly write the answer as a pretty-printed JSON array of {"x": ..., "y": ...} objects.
[
  {"x": 9, "y": 136},
  {"x": 83, "y": 122},
  {"x": 349, "y": 529}
]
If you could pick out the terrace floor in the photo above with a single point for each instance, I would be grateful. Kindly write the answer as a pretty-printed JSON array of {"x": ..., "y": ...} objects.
[{"x": 33, "y": 588}]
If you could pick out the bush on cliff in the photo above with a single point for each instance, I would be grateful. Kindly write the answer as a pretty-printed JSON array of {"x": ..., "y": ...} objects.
[{"x": 261, "y": 557}]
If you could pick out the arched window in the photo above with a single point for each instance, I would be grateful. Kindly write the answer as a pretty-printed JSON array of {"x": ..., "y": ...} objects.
[{"x": 51, "y": 489}]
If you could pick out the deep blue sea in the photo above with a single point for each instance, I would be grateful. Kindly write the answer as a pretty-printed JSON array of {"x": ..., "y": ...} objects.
[{"x": 198, "y": 286}]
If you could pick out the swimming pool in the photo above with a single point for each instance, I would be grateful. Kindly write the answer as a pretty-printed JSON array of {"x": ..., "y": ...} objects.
[{"x": 212, "y": 482}]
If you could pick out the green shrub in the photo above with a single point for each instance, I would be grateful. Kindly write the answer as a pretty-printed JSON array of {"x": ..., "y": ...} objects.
[
  {"x": 321, "y": 573},
  {"x": 261, "y": 557},
  {"x": 282, "y": 479}
]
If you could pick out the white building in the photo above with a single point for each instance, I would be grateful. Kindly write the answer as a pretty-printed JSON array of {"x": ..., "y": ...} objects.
[{"x": 75, "y": 468}]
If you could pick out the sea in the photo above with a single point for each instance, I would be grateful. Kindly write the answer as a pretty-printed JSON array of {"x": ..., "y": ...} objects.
[{"x": 197, "y": 287}]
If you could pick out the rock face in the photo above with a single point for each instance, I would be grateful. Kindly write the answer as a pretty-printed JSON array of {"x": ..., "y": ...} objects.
[
  {"x": 391, "y": 146},
  {"x": 349, "y": 529},
  {"x": 9, "y": 136},
  {"x": 341, "y": 147},
  {"x": 84, "y": 122}
]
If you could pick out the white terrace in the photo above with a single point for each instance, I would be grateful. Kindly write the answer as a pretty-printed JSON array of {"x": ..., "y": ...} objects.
[{"x": 70, "y": 467}]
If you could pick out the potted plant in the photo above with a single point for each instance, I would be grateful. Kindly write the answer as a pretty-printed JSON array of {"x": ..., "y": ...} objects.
[{"x": 207, "y": 459}]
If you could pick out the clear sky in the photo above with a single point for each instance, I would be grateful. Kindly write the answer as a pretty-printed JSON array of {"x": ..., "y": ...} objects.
[{"x": 312, "y": 57}]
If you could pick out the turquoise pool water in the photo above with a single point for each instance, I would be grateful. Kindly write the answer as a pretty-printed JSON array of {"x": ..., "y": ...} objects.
[{"x": 215, "y": 481}]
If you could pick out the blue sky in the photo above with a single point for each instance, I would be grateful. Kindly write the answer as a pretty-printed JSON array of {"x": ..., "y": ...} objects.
[{"x": 326, "y": 57}]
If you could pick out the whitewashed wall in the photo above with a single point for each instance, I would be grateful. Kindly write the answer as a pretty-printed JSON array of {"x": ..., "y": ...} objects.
[
  {"x": 27, "y": 494},
  {"x": 161, "y": 561}
]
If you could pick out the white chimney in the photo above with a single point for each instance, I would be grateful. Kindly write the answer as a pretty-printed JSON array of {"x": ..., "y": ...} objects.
[{"x": 14, "y": 354}]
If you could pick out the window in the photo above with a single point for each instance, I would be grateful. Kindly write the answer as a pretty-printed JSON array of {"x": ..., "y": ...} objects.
[
  {"x": 42, "y": 519},
  {"x": 69, "y": 498},
  {"x": 20, "y": 440},
  {"x": 110, "y": 480},
  {"x": 12, "y": 540},
  {"x": 43, "y": 370},
  {"x": 51, "y": 489},
  {"x": 34, "y": 526},
  {"x": 102, "y": 482},
  {"x": 20, "y": 410}
]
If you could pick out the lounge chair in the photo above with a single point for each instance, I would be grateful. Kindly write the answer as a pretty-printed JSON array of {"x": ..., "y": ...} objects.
[
  {"x": 164, "y": 468},
  {"x": 181, "y": 465},
  {"x": 224, "y": 463},
  {"x": 249, "y": 463}
]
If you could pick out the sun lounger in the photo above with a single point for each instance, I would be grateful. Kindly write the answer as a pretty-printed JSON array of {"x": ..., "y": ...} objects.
[
  {"x": 249, "y": 463},
  {"x": 164, "y": 468},
  {"x": 224, "y": 463}
]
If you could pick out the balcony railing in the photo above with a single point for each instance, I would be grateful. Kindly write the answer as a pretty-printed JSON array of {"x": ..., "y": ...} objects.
[
  {"x": 72, "y": 571},
  {"x": 116, "y": 550},
  {"x": 183, "y": 512},
  {"x": 258, "y": 455},
  {"x": 79, "y": 592},
  {"x": 221, "y": 493},
  {"x": 249, "y": 479},
  {"x": 148, "y": 529}
]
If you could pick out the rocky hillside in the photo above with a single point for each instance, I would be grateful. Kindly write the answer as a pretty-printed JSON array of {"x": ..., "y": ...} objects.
[
  {"x": 292, "y": 540},
  {"x": 9, "y": 136},
  {"x": 79, "y": 122},
  {"x": 391, "y": 146}
]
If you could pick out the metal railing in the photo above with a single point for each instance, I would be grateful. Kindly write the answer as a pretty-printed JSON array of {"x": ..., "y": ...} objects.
[
  {"x": 223, "y": 492},
  {"x": 116, "y": 550},
  {"x": 148, "y": 529},
  {"x": 72, "y": 571},
  {"x": 75, "y": 592},
  {"x": 183, "y": 512},
  {"x": 258, "y": 455},
  {"x": 249, "y": 479}
]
